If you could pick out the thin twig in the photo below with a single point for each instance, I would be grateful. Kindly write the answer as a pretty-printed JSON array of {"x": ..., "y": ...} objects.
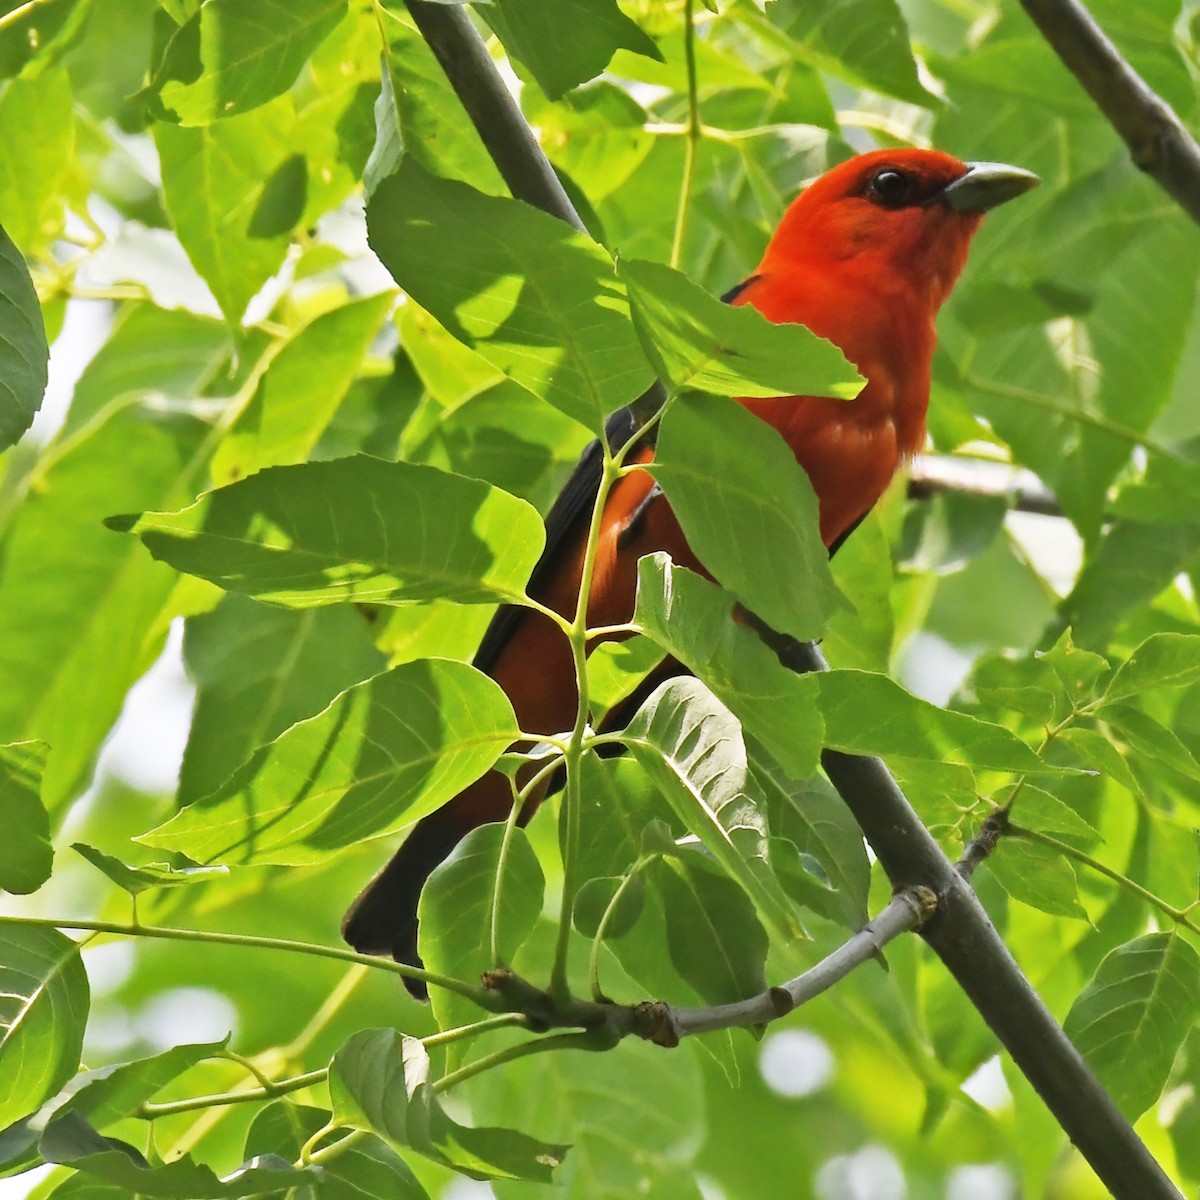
[
  {"x": 907, "y": 910},
  {"x": 940, "y": 474},
  {"x": 1158, "y": 141}
]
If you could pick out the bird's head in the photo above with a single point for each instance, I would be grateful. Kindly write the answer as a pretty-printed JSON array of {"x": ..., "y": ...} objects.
[{"x": 905, "y": 216}]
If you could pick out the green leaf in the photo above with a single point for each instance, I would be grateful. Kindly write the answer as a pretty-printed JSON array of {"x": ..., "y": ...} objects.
[
  {"x": 301, "y": 391},
  {"x": 368, "y": 1170},
  {"x": 232, "y": 57},
  {"x": 388, "y": 147},
  {"x": 695, "y": 341},
  {"x": 693, "y": 621},
  {"x": 1037, "y": 875},
  {"x": 384, "y": 754},
  {"x": 1039, "y": 810},
  {"x": 692, "y": 747},
  {"x": 630, "y": 1116},
  {"x": 136, "y": 880},
  {"x": 747, "y": 510},
  {"x": 156, "y": 355},
  {"x": 36, "y": 154},
  {"x": 571, "y": 49},
  {"x": 1162, "y": 660},
  {"x": 71, "y": 1141},
  {"x": 816, "y": 822},
  {"x": 103, "y": 1097},
  {"x": 834, "y": 34},
  {"x": 26, "y": 855},
  {"x": 457, "y": 909},
  {"x": 260, "y": 669},
  {"x": 537, "y": 299},
  {"x": 429, "y": 120},
  {"x": 1140, "y": 736},
  {"x": 43, "y": 1009},
  {"x": 214, "y": 179},
  {"x": 867, "y": 713},
  {"x": 80, "y": 612},
  {"x": 595, "y": 898},
  {"x": 716, "y": 941},
  {"x": 1098, "y": 752},
  {"x": 1133, "y": 1015},
  {"x": 24, "y": 355},
  {"x": 354, "y": 528},
  {"x": 379, "y": 1082},
  {"x": 40, "y": 36}
]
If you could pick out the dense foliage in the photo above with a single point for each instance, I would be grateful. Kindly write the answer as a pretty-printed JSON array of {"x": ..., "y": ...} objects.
[{"x": 324, "y": 462}]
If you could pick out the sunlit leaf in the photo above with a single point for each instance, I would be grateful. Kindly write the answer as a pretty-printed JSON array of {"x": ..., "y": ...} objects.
[
  {"x": 535, "y": 298},
  {"x": 23, "y": 351},
  {"x": 301, "y": 390},
  {"x": 570, "y": 50},
  {"x": 748, "y": 511},
  {"x": 692, "y": 747},
  {"x": 356, "y": 529},
  {"x": 136, "y": 880},
  {"x": 44, "y": 1000},
  {"x": 694, "y": 622},
  {"x": 695, "y": 341},
  {"x": 382, "y": 755},
  {"x": 25, "y": 851},
  {"x": 259, "y": 669},
  {"x": 232, "y": 57}
]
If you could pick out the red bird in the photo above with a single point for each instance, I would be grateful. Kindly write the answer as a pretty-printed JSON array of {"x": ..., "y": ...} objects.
[{"x": 865, "y": 257}]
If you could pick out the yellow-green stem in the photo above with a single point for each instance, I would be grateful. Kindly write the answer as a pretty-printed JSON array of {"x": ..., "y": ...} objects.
[
  {"x": 481, "y": 997},
  {"x": 21, "y": 12},
  {"x": 519, "y": 801},
  {"x": 267, "y": 1091},
  {"x": 572, "y": 800},
  {"x": 602, "y": 929},
  {"x": 692, "y": 138},
  {"x": 1179, "y": 915}
]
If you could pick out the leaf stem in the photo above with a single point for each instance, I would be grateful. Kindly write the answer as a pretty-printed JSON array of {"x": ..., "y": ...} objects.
[
  {"x": 694, "y": 132},
  {"x": 21, "y": 12},
  {"x": 1179, "y": 915},
  {"x": 584, "y": 1040},
  {"x": 167, "y": 933},
  {"x": 602, "y": 928},
  {"x": 520, "y": 798},
  {"x": 573, "y": 757},
  {"x": 267, "y": 1091}
]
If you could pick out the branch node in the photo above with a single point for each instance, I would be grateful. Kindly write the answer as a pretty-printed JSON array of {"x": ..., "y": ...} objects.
[
  {"x": 652, "y": 1021},
  {"x": 782, "y": 1001},
  {"x": 983, "y": 843}
]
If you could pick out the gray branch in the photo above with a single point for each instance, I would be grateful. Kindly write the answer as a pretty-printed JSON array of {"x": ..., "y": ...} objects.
[
  {"x": 960, "y": 933},
  {"x": 1158, "y": 141},
  {"x": 907, "y": 910}
]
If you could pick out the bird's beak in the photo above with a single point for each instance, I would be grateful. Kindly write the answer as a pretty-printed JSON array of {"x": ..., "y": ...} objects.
[{"x": 987, "y": 184}]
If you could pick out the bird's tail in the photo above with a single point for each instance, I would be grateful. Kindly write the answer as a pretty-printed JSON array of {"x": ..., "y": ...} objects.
[{"x": 383, "y": 917}]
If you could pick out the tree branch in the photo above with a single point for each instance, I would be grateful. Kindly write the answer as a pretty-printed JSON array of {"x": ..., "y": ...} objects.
[
  {"x": 1158, "y": 141},
  {"x": 960, "y": 933},
  {"x": 907, "y": 910},
  {"x": 940, "y": 474}
]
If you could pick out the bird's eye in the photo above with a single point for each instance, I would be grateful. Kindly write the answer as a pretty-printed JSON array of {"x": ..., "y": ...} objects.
[{"x": 890, "y": 188}]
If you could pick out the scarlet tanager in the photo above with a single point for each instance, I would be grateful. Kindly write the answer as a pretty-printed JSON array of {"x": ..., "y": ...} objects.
[{"x": 865, "y": 256}]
